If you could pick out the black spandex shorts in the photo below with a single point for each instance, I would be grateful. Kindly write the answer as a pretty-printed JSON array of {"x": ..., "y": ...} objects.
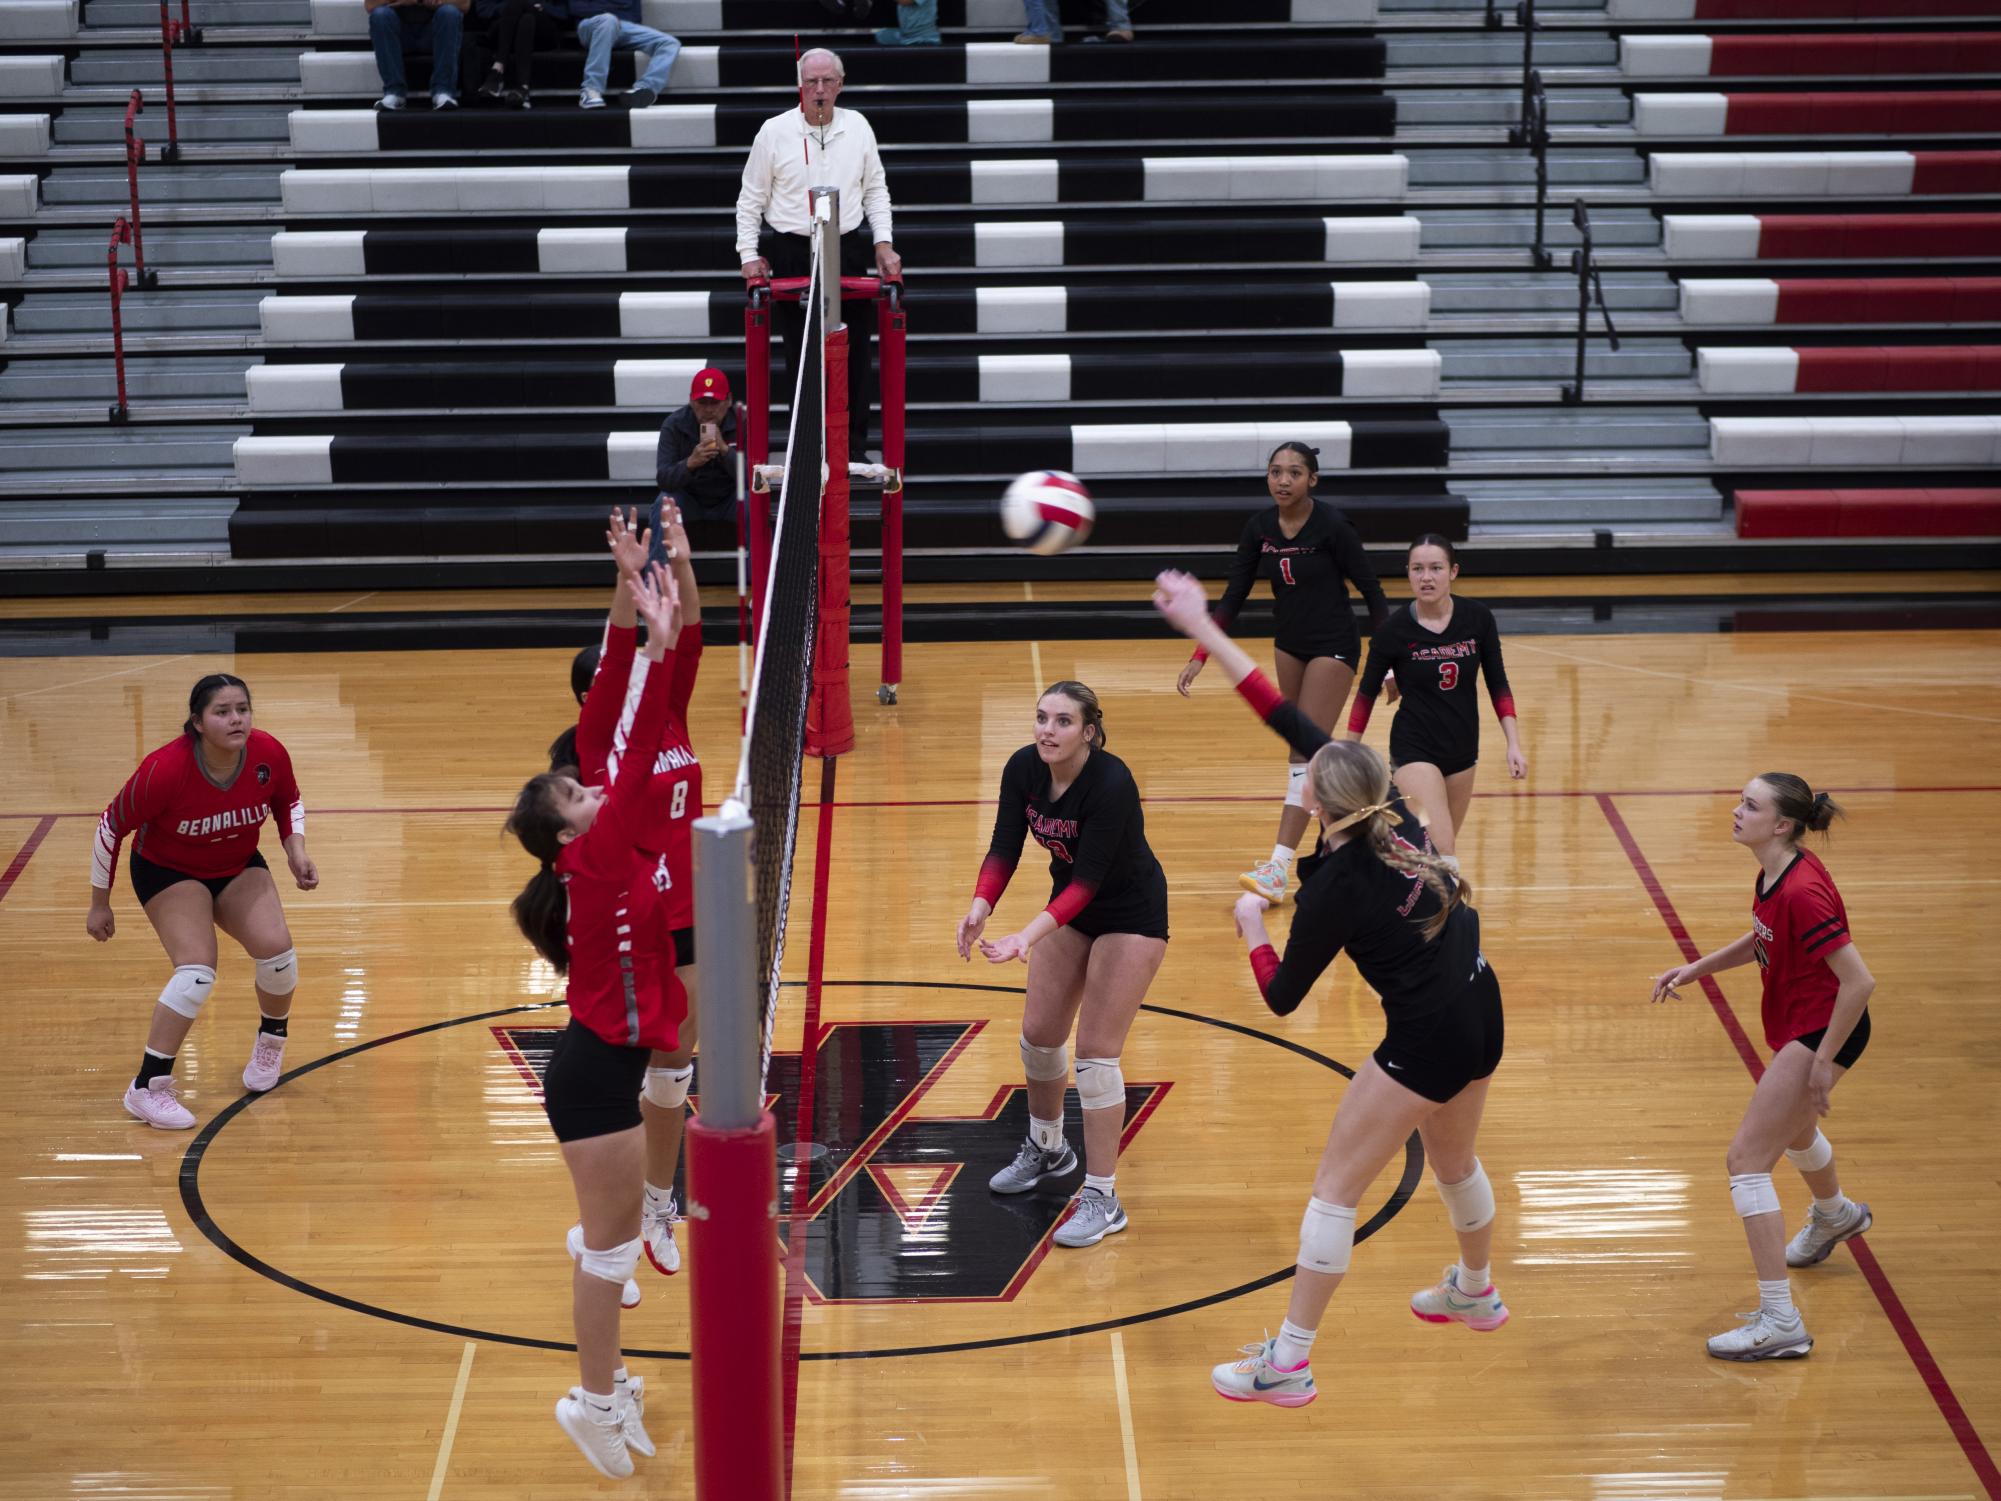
[
  {"x": 1449, "y": 763},
  {"x": 1440, "y": 1054},
  {"x": 684, "y": 948},
  {"x": 591, "y": 1087},
  {"x": 1857, "y": 1044},
  {"x": 1347, "y": 653},
  {"x": 149, "y": 880}
]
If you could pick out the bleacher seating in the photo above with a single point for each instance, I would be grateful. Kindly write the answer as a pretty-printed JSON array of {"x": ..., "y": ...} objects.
[
  {"x": 1829, "y": 55},
  {"x": 1883, "y": 299},
  {"x": 1869, "y": 513},
  {"x": 1925, "y": 367}
]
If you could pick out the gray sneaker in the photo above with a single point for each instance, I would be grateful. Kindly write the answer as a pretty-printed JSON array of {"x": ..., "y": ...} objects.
[
  {"x": 1818, "y": 1237},
  {"x": 1762, "y": 1337},
  {"x": 1095, "y": 1216},
  {"x": 1031, "y": 1166}
]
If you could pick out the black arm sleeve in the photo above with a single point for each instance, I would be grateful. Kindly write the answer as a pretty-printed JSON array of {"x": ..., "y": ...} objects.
[
  {"x": 670, "y": 464},
  {"x": 1382, "y": 657},
  {"x": 1354, "y": 563},
  {"x": 1011, "y": 818},
  {"x": 1243, "y": 573},
  {"x": 1490, "y": 665},
  {"x": 1320, "y": 926}
]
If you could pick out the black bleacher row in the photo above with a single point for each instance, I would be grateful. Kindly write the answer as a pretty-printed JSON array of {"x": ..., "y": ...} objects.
[
  {"x": 1072, "y": 117},
  {"x": 944, "y": 309},
  {"x": 1262, "y": 238},
  {"x": 756, "y": 65}
]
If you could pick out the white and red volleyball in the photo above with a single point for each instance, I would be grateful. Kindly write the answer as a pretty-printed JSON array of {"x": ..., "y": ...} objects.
[{"x": 1047, "y": 511}]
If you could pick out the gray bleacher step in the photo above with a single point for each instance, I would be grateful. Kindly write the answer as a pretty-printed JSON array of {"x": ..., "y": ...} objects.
[
  {"x": 209, "y": 124},
  {"x": 1582, "y": 502},
  {"x": 1570, "y": 433},
  {"x": 1492, "y": 49},
  {"x": 167, "y": 523},
  {"x": 51, "y": 382},
  {"x": 193, "y": 66},
  {"x": 158, "y": 311},
  {"x": 1509, "y": 361},
  {"x": 116, "y": 453},
  {"x": 1470, "y": 9},
  {"x": 190, "y": 183},
  {"x": 72, "y": 249},
  {"x": 1496, "y": 167},
  {"x": 1464, "y": 107},
  {"x": 1486, "y": 228},
  {"x": 224, "y": 14},
  {"x": 1472, "y": 293}
]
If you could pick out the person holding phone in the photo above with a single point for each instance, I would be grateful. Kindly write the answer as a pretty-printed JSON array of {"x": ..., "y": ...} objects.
[{"x": 695, "y": 464}]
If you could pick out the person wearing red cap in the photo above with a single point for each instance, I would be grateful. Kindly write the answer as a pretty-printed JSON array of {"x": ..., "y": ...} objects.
[{"x": 693, "y": 464}]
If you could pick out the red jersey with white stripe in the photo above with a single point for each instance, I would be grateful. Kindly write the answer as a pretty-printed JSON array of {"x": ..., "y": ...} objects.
[
  {"x": 621, "y": 946},
  {"x": 1795, "y": 927},
  {"x": 180, "y": 816},
  {"x": 605, "y": 731}
]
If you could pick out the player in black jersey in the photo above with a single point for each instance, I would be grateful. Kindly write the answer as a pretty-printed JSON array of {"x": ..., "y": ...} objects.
[
  {"x": 1434, "y": 645},
  {"x": 1101, "y": 939},
  {"x": 1309, "y": 554},
  {"x": 1375, "y": 888}
]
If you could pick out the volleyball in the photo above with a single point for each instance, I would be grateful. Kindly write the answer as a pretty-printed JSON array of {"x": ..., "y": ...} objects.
[{"x": 1047, "y": 511}]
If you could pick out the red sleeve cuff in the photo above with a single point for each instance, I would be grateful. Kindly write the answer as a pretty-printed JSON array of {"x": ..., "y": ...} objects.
[
  {"x": 1258, "y": 692},
  {"x": 1264, "y": 964},
  {"x": 995, "y": 873},
  {"x": 1200, "y": 654},
  {"x": 1504, "y": 707},
  {"x": 1070, "y": 901},
  {"x": 1358, "y": 715}
]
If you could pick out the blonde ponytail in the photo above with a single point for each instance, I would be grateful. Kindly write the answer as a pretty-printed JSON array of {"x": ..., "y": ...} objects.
[{"x": 1353, "y": 788}]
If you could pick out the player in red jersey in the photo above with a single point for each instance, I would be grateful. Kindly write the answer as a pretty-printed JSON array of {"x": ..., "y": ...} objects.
[
  {"x": 195, "y": 808},
  {"x": 595, "y": 913},
  {"x": 604, "y": 744},
  {"x": 1816, "y": 1015}
]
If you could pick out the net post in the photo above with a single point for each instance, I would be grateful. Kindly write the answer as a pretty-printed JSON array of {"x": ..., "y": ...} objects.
[
  {"x": 890, "y": 333},
  {"x": 757, "y": 438},
  {"x": 830, "y": 719},
  {"x": 734, "y": 1305}
]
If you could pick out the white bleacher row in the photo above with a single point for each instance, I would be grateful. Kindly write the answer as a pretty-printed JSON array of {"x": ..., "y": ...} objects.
[
  {"x": 657, "y": 385},
  {"x": 998, "y": 244},
  {"x": 347, "y": 18},
  {"x": 23, "y": 135},
  {"x": 20, "y": 195},
  {"x": 1656, "y": 56},
  {"x": 1122, "y": 449},
  {"x": 1856, "y": 442},
  {"x": 1721, "y": 300},
  {"x": 13, "y": 258},
  {"x": 40, "y": 20},
  {"x": 1170, "y": 179},
  {"x": 30, "y": 77},
  {"x": 1781, "y": 174},
  {"x": 999, "y": 310}
]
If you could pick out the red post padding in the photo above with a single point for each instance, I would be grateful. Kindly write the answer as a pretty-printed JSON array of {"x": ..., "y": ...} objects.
[
  {"x": 734, "y": 1307},
  {"x": 830, "y": 714},
  {"x": 1959, "y": 171}
]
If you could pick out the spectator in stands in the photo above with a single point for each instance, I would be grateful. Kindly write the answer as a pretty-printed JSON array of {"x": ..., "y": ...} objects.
[
  {"x": 812, "y": 146},
  {"x": 1117, "y": 18},
  {"x": 693, "y": 466},
  {"x": 1045, "y": 25},
  {"x": 602, "y": 24},
  {"x": 515, "y": 29},
  {"x": 433, "y": 26},
  {"x": 916, "y": 25}
]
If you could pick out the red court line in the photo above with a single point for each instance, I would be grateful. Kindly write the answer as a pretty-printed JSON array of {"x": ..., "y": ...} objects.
[
  {"x": 1205, "y": 797},
  {"x": 26, "y": 853},
  {"x": 809, "y": 1055},
  {"x": 1872, "y": 1271}
]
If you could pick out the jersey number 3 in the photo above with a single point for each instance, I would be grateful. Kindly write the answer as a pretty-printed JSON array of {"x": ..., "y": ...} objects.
[{"x": 1448, "y": 676}]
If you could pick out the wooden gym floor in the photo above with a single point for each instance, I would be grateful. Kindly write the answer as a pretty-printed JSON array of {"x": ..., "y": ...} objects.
[{"x": 354, "y": 1286}]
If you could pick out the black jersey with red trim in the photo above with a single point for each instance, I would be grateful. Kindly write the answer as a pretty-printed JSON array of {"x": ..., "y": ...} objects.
[
  {"x": 1438, "y": 711},
  {"x": 1795, "y": 927},
  {"x": 1309, "y": 576},
  {"x": 1103, "y": 877}
]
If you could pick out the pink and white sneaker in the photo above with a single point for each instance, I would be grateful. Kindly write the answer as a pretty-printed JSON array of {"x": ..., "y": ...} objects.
[
  {"x": 159, "y": 1105},
  {"x": 1446, "y": 1304},
  {"x": 267, "y": 1062}
]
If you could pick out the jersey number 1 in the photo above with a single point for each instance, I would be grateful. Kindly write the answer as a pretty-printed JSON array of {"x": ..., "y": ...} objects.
[{"x": 1285, "y": 570}]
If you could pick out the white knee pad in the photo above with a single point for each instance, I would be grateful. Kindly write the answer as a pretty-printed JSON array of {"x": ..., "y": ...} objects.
[
  {"x": 188, "y": 990},
  {"x": 614, "y": 1265},
  {"x": 1044, "y": 1063},
  {"x": 1752, "y": 1193},
  {"x": 1326, "y": 1237},
  {"x": 668, "y": 1087},
  {"x": 1813, "y": 1158},
  {"x": 1470, "y": 1201},
  {"x": 279, "y": 975},
  {"x": 1100, "y": 1085},
  {"x": 1295, "y": 786}
]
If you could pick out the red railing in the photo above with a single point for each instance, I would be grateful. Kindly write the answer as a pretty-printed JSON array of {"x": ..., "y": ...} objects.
[
  {"x": 173, "y": 34},
  {"x": 135, "y": 153},
  {"x": 121, "y": 234}
]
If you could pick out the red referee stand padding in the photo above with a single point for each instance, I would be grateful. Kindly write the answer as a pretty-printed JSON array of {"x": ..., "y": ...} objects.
[
  {"x": 830, "y": 713},
  {"x": 734, "y": 1310}
]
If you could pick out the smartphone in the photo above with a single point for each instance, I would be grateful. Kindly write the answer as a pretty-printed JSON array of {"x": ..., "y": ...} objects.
[{"x": 711, "y": 433}]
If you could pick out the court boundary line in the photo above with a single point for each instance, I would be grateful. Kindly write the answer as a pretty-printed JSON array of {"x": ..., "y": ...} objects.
[
  {"x": 26, "y": 853},
  {"x": 444, "y": 1464},
  {"x": 1942, "y": 1394}
]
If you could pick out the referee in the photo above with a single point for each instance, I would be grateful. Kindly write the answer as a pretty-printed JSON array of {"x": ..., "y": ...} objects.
[{"x": 819, "y": 145}]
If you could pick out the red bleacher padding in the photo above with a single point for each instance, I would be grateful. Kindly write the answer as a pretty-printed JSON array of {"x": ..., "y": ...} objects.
[
  {"x": 1855, "y": 55},
  {"x": 1854, "y": 112},
  {"x": 1869, "y": 513},
  {"x": 1877, "y": 236},
  {"x": 1958, "y": 171},
  {"x": 1890, "y": 299},
  {"x": 1836, "y": 10},
  {"x": 1948, "y": 367}
]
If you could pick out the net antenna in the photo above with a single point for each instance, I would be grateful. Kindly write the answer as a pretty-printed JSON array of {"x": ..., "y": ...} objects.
[{"x": 743, "y": 887}]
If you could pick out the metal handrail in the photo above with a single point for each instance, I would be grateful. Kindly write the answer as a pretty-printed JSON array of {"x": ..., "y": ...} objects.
[
  {"x": 135, "y": 153},
  {"x": 1590, "y": 287},
  {"x": 1538, "y": 143},
  {"x": 121, "y": 234}
]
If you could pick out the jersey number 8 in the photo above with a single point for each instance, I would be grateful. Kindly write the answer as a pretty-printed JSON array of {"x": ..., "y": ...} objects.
[{"x": 680, "y": 800}]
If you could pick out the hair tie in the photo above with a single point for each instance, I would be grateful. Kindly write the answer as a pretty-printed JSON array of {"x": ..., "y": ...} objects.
[
  {"x": 1361, "y": 813},
  {"x": 1821, "y": 799}
]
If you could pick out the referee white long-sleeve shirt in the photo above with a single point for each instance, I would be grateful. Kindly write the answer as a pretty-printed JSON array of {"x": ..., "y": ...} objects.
[{"x": 789, "y": 156}]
